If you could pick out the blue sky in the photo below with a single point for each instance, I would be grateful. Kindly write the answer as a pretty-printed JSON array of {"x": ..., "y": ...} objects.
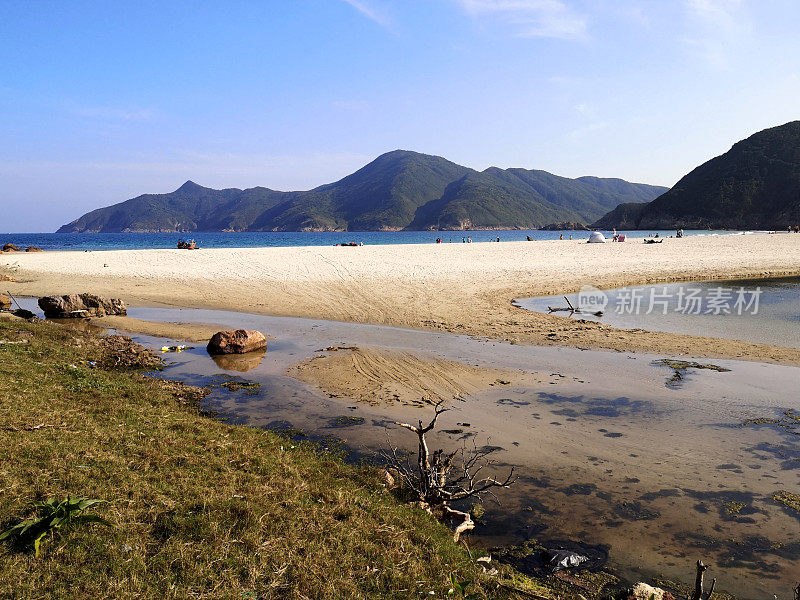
[{"x": 102, "y": 101}]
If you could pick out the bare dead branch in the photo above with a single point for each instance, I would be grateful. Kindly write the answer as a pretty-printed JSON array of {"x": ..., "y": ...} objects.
[
  {"x": 698, "y": 582},
  {"x": 466, "y": 524},
  {"x": 442, "y": 478}
]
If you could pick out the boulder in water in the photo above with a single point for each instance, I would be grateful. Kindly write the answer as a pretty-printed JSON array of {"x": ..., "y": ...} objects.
[
  {"x": 10, "y": 248},
  {"x": 239, "y": 341},
  {"x": 78, "y": 306},
  {"x": 33, "y": 249}
]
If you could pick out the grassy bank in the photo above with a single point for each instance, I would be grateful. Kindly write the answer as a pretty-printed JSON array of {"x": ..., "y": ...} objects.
[{"x": 199, "y": 509}]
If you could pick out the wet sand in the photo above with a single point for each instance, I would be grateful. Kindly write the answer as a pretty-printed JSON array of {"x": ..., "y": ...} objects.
[
  {"x": 460, "y": 288},
  {"x": 380, "y": 376},
  {"x": 175, "y": 330}
]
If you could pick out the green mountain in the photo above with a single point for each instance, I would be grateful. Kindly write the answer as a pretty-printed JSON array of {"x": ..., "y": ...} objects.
[
  {"x": 398, "y": 190},
  {"x": 755, "y": 185}
]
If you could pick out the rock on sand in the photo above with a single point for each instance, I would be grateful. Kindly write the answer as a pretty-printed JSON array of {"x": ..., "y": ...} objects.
[{"x": 239, "y": 341}]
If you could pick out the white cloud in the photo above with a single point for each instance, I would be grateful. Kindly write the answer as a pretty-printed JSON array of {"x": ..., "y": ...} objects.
[
  {"x": 586, "y": 110},
  {"x": 592, "y": 119},
  {"x": 582, "y": 132},
  {"x": 720, "y": 14},
  {"x": 370, "y": 12},
  {"x": 533, "y": 18},
  {"x": 635, "y": 13},
  {"x": 717, "y": 28}
]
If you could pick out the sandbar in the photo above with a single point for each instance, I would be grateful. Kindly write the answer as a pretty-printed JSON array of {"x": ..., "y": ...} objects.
[
  {"x": 459, "y": 288},
  {"x": 378, "y": 376}
]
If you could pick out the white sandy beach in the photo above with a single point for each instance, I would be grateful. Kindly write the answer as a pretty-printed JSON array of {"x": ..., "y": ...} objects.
[{"x": 464, "y": 288}]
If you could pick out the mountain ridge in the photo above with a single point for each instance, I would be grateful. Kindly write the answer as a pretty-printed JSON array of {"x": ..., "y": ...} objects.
[
  {"x": 754, "y": 185},
  {"x": 398, "y": 190}
]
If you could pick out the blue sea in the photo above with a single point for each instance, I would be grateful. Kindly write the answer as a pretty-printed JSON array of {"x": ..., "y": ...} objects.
[{"x": 137, "y": 241}]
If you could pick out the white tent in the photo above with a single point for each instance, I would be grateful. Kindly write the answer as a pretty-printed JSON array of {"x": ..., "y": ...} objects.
[{"x": 596, "y": 238}]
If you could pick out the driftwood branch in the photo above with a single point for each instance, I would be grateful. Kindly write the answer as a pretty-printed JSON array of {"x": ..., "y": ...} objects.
[
  {"x": 441, "y": 478},
  {"x": 796, "y": 590},
  {"x": 466, "y": 524},
  {"x": 574, "y": 311},
  {"x": 12, "y": 298}
]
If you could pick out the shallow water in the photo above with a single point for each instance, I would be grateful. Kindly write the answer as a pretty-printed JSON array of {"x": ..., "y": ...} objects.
[
  {"x": 706, "y": 308},
  {"x": 605, "y": 452},
  {"x": 258, "y": 239}
]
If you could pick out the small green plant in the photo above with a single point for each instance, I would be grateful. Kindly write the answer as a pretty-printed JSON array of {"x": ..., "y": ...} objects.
[
  {"x": 460, "y": 588},
  {"x": 52, "y": 515}
]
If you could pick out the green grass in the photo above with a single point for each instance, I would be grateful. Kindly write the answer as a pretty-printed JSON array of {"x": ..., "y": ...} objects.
[{"x": 199, "y": 509}]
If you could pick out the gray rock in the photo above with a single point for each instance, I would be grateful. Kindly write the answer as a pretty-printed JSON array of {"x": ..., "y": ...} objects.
[
  {"x": 642, "y": 591},
  {"x": 78, "y": 306}
]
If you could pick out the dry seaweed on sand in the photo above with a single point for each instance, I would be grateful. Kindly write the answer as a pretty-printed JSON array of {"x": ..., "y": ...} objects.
[
  {"x": 789, "y": 422},
  {"x": 122, "y": 351},
  {"x": 788, "y": 499},
  {"x": 232, "y": 383},
  {"x": 679, "y": 368}
]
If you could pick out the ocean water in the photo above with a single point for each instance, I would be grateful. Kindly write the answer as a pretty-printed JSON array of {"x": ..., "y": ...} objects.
[{"x": 138, "y": 241}]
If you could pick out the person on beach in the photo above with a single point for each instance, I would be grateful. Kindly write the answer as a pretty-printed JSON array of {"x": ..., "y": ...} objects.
[
  {"x": 469, "y": 240},
  {"x": 463, "y": 240},
  {"x": 561, "y": 237}
]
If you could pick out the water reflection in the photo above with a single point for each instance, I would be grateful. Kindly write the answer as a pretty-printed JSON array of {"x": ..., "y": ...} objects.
[{"x": 239, "y": 362}]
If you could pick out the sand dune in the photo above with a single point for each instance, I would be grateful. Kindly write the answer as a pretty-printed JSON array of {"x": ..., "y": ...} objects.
[{"x": 462, "y": 288}]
